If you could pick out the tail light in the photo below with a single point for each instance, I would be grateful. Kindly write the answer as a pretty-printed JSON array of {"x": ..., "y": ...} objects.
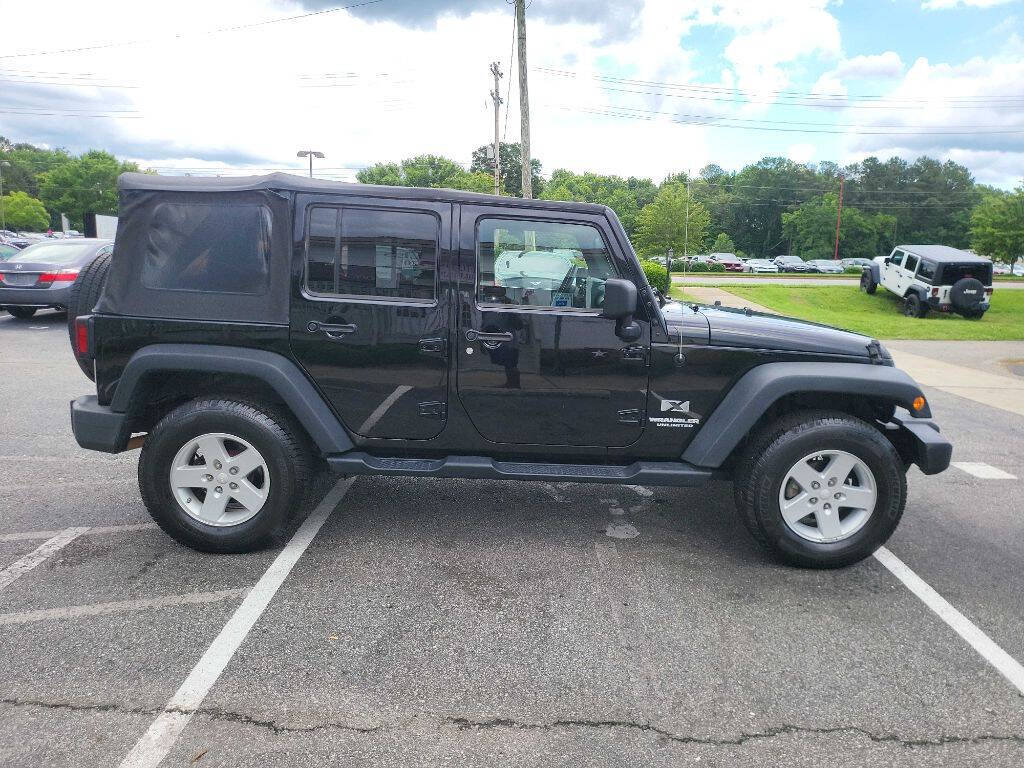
[
  {"x": 988, "y": 291},
  {"x": 83, "y": 337},
  {"x": 64, "y": 276},
  {"x": 935, "y": 291}
]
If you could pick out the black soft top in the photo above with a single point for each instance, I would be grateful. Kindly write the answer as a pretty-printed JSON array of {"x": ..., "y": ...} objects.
[{"x": 286, "y": 182}]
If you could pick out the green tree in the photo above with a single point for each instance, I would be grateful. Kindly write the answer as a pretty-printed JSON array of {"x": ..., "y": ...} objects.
[
  {"x": 432, "y": 171},
  {"x": 510, "y": 177},
  {"x": 26, "y": 163},
  {"x": 24, "y": 212},
  {"x": 811, "y": 229},
  {"x": 997, "y": 226},
  {"x": 624, "y": 196},
  {"x": 664, "y": 223},
  {"x": 723, "y": 244},
  {"x": 86, "y": 183}
]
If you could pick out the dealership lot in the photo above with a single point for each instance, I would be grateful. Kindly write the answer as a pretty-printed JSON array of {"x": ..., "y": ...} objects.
[{"x": 464, "y": 623}]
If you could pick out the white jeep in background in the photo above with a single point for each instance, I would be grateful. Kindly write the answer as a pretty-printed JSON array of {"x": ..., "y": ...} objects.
[{"x": 933, "y": 277}]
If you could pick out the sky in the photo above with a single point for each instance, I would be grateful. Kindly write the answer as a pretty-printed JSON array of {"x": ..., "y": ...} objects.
[{"x": 631, "y": 87}]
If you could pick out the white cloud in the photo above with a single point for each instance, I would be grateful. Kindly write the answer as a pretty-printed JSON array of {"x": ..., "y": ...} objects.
[
  {"x": 801, "y": 153},
  {"x": 940, "y": 5},
  {"x": 882, "y": 65},
  {"x": 964, "y": 112}
]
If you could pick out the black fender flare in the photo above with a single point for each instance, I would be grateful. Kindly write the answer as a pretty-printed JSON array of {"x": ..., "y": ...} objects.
[
  {"x": 922, "y": 294},
  {"x": 761, "y": 387},
  {"x": 278, "y": 372},
  {"x": 876, "y": 274}
]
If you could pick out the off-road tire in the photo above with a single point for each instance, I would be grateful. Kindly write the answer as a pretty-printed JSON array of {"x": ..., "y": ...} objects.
[
  {"x": 975, "y": 315},
  {"x": 913, "y": 306},
  {"x": 867, "y": 284},
  {"x": 84, "y": 294},
  {"x": 22, "y": 313},
  {"x": 282, "y": 445},
  {"x": 768, "y": 456}
]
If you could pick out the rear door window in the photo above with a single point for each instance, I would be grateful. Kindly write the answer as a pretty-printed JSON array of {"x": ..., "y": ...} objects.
[
  {"x": 911, "y": 264},
  {"x": 222, "y": 248},
  {"x": 368, "y": 252}
]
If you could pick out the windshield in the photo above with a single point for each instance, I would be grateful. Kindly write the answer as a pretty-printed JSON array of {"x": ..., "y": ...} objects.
[{"x": 53, "y": 253}]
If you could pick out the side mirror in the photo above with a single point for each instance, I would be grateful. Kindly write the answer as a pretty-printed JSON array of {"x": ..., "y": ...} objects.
[
  {"x": 620, "y": 302},
  {"x": 619, "y": 299}
]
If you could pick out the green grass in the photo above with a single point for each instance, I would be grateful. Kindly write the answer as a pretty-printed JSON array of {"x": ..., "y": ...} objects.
[{"x": 881, "y": 317}]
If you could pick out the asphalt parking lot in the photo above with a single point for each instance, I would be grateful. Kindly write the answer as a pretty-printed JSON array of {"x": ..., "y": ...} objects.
[{"x": 458, "y": 623}]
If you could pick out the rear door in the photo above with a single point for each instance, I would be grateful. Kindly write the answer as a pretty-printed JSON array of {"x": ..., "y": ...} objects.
[
  {"x": 369, "y": 311},
  {"x": 537, "y": 364}
]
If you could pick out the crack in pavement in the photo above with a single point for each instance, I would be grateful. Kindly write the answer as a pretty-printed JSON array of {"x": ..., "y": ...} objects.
[
  {"x": 467, "y": 724},
  {"x": 208, "y": 712}
]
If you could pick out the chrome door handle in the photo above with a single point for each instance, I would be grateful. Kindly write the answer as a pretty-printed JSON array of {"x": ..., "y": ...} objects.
[{"x": 488, "y": 338}]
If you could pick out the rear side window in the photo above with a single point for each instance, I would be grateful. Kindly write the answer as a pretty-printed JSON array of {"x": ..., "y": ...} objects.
[
  {"x": 223, "y": 248},
  {"x": 927, "y": 270},
  {"x": 370, "y": 252},
  {"x": 911, "y": 264}
]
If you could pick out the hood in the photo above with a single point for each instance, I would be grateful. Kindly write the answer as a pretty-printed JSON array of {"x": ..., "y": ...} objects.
[{"x": 753, "y": 330}]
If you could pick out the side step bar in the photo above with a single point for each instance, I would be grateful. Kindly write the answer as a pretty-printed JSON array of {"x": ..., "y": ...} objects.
[{"x": 483, "y": 468}]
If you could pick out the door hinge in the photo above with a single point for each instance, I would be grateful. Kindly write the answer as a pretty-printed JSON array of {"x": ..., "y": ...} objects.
[
  {"x": 434, "y": 410},
  {"x": 433, "y": 346},
  {"x": 635, "y": 354},
  {"x": 631, "y": 416}
]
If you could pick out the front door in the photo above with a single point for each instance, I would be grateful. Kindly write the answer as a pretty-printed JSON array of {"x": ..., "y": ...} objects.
[
  {"x": 369, "y": 312},
  {"x": 537, "y": 364}
]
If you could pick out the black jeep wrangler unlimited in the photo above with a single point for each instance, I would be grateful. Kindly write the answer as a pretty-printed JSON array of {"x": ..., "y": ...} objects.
[{"x": 257, "y": 329}]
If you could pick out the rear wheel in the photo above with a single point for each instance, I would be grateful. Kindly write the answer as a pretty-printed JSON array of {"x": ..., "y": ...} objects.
[
  {"x": 913, "y": 306},
  {"x": 84, "y": 294},
  {"x": 820, "y": 489},
  {"x": 22, "y": 313},
  {"x": 223, "y": 475},
  {"x": 867, "y": 284}
]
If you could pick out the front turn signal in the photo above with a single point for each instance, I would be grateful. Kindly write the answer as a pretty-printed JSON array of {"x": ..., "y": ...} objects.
[{"x": 918, "y": 403}]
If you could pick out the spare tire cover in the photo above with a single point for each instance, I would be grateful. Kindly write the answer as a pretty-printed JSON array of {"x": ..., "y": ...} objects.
[{"x": 967, "y": 293}]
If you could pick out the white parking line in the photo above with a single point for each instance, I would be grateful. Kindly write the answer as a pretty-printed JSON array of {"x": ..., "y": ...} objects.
[
  {"x": 1004, "y": 663},
  {"x": 100, "y": 529},
  {"x": 25, "y": 564},
  {"x": 381, "y": 409},
  {"x": 120, "y": 606},
  {"x": 983, "y": 470},
  {"x": 154, "y": 745}
]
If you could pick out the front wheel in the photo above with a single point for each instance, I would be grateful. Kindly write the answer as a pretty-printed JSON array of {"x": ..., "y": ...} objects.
[
  {"x": 820, "y": 489},
  {"x": 224, "y": 476},
  {"x": 22, "y": 313},
  {"x": 867, "y": 285}
]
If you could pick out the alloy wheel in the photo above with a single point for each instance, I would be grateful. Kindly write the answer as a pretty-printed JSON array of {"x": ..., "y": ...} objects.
[{"x": 828, "y": 496}]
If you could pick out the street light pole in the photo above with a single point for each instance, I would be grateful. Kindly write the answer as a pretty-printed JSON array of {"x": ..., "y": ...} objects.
[{"x": 310, "y": 153}]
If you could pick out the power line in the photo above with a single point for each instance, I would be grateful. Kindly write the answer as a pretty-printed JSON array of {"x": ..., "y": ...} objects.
[
  {"x": 972, "y": 100},
  {"x": 717, "y": 122},
  {"x": 179, "y": 36}
]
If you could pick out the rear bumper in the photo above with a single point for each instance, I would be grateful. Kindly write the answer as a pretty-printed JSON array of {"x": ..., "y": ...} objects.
[
  {"x": 922, "y": 442},
  {"x": 97, "y": 427},
  {"x": 35, "y": 297},
  {"x": 936, "y": 303}
]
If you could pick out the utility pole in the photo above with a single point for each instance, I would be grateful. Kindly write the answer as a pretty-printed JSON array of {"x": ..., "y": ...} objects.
[
  {"x": 524, "y": 100},
  {"x": 310, "y": 153},
  {"x": 3, "y": 213},
  {"x": 839, "y": 218},
  {"x": 496, "y": 95},
  {"x": 686, "y": 223}
]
